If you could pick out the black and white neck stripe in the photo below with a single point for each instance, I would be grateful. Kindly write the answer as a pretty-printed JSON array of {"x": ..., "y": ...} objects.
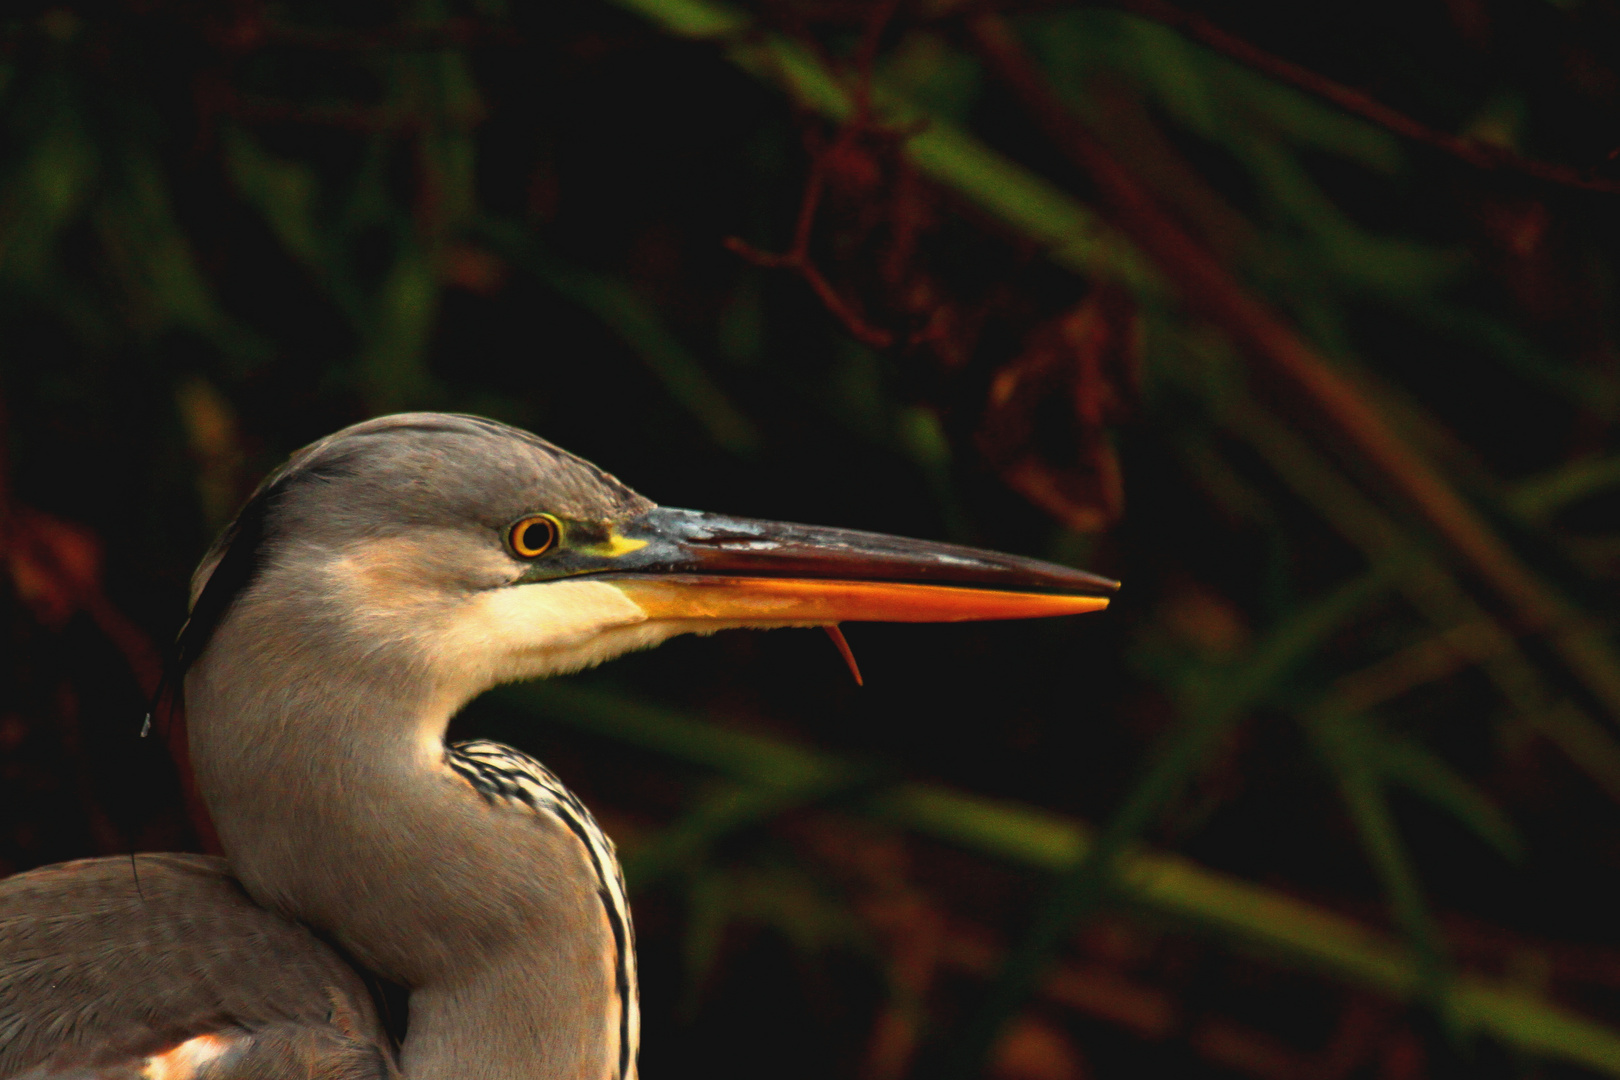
[{"x": 502, "y": 774}]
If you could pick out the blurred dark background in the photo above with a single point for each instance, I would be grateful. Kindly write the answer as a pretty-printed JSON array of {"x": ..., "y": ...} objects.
[{"x": 1299, "y": 321}]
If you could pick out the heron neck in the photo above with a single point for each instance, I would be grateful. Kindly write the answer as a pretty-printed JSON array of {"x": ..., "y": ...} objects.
[{"x": 328, "y": 787}]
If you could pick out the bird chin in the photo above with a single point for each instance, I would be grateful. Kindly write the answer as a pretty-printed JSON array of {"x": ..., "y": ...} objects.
[
  {"x": 607, "y": 645},
  {"x": 534, "y": 630}
]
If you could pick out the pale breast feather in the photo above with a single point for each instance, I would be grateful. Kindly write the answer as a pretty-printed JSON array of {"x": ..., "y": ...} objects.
[{"x": 502, "y": 774}]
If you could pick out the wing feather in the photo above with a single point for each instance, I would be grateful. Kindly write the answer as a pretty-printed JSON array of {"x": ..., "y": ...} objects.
[{"x": 107, "y": 963}]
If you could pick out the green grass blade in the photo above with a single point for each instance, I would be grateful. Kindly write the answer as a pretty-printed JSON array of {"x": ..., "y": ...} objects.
[
  {"x": 283, "y": 191},
  {"x": 1416, "y": 768},
  {"x": 731, "y": 809},
  {"x": 1243, "y": 915},
  {"x": 1184, "y": 753},
  {"x": 1421, "y": 577},
  {"x": 1073, "y": 235},
  {"x": 1350, "y": 752},
  {"x": 638, "y": 325},
  {"x": 1538, "y": 498},
  {"x": 737, "y": 754}
]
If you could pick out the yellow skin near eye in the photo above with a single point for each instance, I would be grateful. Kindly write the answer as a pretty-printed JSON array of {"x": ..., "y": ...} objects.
[{"x": 534, "y": 536}]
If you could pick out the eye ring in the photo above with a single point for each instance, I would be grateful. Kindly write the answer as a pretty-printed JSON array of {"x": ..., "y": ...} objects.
[{"x": 533, "y": 536}]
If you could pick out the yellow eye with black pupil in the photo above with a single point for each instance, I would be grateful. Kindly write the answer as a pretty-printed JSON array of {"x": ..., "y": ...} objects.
[{"x": 533, "y": 536}]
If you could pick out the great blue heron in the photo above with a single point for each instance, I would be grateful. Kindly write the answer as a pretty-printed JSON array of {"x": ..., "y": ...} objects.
[{"x": 370, "y": 588}]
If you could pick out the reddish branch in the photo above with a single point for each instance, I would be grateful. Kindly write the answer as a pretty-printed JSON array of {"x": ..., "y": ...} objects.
[
  {"x": 1209, "y": 288},
  {"x": 923, "y": 944},
  {"x": 797, "y": 258},
  {"x": 1085, "y": 355},
  {"x": 55, "y": 568},
  {"x": 1475, "y": 153}
]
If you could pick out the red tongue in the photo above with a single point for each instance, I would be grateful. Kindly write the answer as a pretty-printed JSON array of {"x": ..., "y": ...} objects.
[{"x": 839, "y": 640}]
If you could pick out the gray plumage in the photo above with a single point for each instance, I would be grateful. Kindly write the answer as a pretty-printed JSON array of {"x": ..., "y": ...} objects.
[
  {"x": 334, "y": 668},
  {"x": 317, "y": 690},
  {"x": 370, "y": 588}
]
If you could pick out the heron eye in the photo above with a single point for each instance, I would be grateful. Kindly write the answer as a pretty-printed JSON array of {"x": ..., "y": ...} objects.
[{"x": 534, "y": 536}]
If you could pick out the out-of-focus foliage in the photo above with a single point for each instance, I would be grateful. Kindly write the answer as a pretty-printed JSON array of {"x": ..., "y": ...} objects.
[{"x": 1331, "y": 388}]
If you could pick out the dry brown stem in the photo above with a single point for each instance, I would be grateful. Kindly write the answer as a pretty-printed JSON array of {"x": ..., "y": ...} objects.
[{"x": 1210, "y": 289}]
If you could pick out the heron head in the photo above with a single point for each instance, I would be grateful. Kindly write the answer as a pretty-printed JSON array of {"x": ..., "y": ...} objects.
[{"x": 470, "y": 553}]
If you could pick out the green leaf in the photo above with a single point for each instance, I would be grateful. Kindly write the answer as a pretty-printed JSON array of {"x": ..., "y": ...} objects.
[
  {"x": 164, "y": 287},
  {"x": 1540, "y": 497},
  {"x": 1419, "y": 770},
  {"x": 284, "y": 191},
  {"x": 1347, "y": 254},
  {"x": 44, "y": 194},
  {"x": 393, "y": 357},
  {"x": 737, "y": 754},
  {"x": 723, "y": 812},
  {"x": 1355, "y": 755}
]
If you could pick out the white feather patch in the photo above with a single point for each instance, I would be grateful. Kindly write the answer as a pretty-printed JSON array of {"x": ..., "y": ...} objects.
[{"x": 184, "y": 1062}]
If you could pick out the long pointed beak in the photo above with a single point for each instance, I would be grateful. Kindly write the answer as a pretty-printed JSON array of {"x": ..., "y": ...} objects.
[{"x": 686, "y": 564}]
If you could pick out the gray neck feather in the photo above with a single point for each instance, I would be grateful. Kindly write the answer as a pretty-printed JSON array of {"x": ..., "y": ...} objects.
[{"x": 322, "y": 765}]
